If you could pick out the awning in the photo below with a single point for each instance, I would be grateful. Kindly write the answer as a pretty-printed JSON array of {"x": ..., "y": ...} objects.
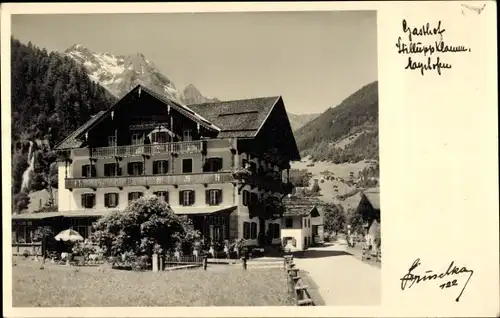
[
  {"x": 68, "y": 214},
  {"x": 189, "y": 210},
  {"x": 36, "y": 216},
  {"x": 85, "y": 213}
]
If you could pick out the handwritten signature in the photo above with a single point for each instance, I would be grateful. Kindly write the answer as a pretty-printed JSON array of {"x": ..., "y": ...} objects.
[{"x": 411, "y": 278}]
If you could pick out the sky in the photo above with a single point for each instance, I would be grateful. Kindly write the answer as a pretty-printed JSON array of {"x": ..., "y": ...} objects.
[{"x": 313, "y": 59}]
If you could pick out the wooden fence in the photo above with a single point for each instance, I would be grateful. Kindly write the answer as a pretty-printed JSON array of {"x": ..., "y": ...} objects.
[{"x": 296, "y": 285}]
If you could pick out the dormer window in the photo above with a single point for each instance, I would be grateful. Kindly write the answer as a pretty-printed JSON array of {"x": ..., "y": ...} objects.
[{"x": 187, "y": 135}]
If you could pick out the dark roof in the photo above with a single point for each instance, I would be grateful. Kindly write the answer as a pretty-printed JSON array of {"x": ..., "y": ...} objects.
[
  {"x": 237, "y": 118},
  {"x": 71, "y": 141},
  {"x": 300, "y": 206},
  {"x": 373, "y": 197}
]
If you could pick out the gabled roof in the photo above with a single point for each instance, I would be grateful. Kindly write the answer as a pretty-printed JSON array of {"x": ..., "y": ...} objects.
[
  {"x": 71, "y": 141},
  {"x": 301, "y": 206},
  {"x": 238, "y": 118},
  {"x": 373, "y": 197}
]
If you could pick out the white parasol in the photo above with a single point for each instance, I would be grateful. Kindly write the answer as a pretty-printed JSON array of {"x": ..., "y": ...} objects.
[{"x": 69, "y": 235}]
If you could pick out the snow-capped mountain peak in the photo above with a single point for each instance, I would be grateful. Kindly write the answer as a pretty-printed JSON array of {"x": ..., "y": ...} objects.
[{"x": 120, "y": 73}]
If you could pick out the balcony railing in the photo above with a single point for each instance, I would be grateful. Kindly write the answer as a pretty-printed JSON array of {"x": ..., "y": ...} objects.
[
  {"x": 151, "y": 149},
  {"x": 149, "y": 180}
]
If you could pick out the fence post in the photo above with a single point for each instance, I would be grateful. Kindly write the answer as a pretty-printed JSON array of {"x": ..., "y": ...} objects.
[
  {"x": 155, "y": 262},
  {"x": 205, "y": 262},
  {"x": 244, "y": 259}
]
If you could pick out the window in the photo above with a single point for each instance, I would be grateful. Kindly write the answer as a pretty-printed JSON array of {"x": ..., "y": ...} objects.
[
  {"x": 134, "y": 196},
  {"x": 186, "y": 197},
  {"x": 160, "y": 167},
  {"x": 213, "y": 196},
  {"x": 186, "y": 135},
  {"x": 187, "y": 165},
  {"x": 111, "y": 200},
  {"x": 162, "y": 195},
  {"x": 88, "y": 200},
  {"x": 112, "y": 169},
  {"x": 246, "y": 230},
  {"x": 160, "y": 137},
  {"x": 112, "y": 141},
  {"x": 81, "y": 226},
  {"x": 135, "y": 168},
  {"x": 253, "y": 231},
  {"x": 288, "y": 222},
  {"x": 245, "y": 196},
  {"x": 137, "y": 139},
  {"x": 88, "y": 171},
  {"x": 212, "y": 165}
]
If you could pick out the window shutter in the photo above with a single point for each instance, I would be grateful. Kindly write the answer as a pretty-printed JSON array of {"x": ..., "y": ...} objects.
[
  {"x": 219, "y": 201},
  {"x": 84, "y": 171},
  {"x": 155, "y": 167},
  {"x": 83, "y": 200},
  {"x": 93, "y": 171},
  {"x": 181, "y": 196},
  {"x": 167, "y": 166},
  {"x": 106, "y": 199},
  {"x": 93, "y": 200},
  {"x": 192, "y": 198},
  {"x": 130, "y": 196},
  {"x": 119, "y": 171},
  {"x": 219, "y": 162},
  {"x": 129, "y": 168},
  {"x": 167, "y": 199},
  {"x": 207, "y": 197}
]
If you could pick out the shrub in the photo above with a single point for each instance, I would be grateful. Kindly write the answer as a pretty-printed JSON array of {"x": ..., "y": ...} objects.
[{"x": 145, "y": 224}]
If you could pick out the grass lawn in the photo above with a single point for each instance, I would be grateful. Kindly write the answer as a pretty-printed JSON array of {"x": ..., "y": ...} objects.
[{"x": 60, "y": 285}]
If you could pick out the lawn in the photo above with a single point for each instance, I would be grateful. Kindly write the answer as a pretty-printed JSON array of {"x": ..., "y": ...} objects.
[{"x": 60, "y": 285}]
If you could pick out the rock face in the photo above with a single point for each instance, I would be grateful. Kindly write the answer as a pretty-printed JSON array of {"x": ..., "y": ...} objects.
[{"x": 120, "y": 73}]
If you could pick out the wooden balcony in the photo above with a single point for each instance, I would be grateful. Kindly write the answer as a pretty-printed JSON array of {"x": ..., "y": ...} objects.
[
  {"x": 138, "y": 150},
  {"x": 149, "y": 180}
]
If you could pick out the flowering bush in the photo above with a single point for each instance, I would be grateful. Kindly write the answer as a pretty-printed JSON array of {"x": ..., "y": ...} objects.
[
  {"x": 146, "y": 225},
  {"x": 85, "y": 248}
]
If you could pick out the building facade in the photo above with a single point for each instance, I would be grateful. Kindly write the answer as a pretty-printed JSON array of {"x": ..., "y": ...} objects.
[
  {"x": 301, "y": 222},
  {"x": 223, "y": 164}
]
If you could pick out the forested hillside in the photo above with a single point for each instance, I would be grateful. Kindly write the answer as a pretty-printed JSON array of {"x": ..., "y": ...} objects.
[
  {"x": 51, "y": 96},
  {"x": 346, "y": 133}
]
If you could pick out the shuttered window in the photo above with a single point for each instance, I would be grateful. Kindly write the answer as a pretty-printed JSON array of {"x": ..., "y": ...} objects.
[
  {"x": 88, "y": 200},
  {"x": 213, "y": 197},
  {"x": 212, "y": 165},
  {"x": 135, "y": 168},
  {"x": 160, "y": 167},
  {"x": 186, "y": 197},
  {"x": 246, "y": 230},
  {"x": 88, "y": 171},
  {"x": 187, "y": 165},
  {"x": 111, "y": 200},
  {"x": 134, "y": 196},
  {"x": 162, "y": 195},
  {"x": 112, "y": 169},
  {"x": 253, "y": 231}
]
